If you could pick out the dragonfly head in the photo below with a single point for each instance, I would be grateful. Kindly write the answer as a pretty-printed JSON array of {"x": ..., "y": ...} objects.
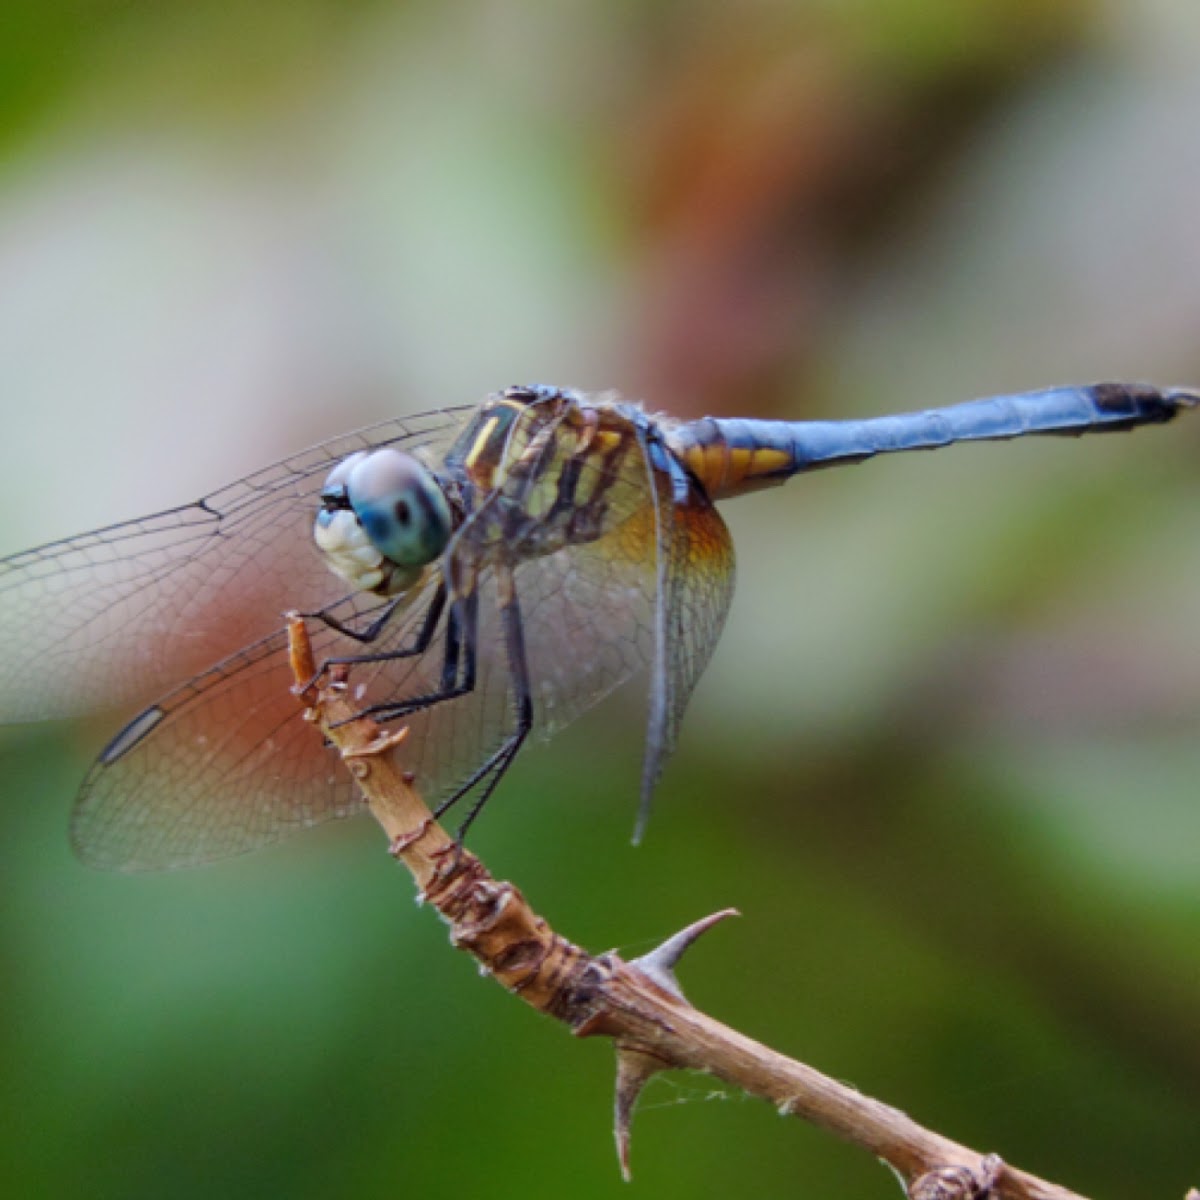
[{"x": 383, "y": 517}]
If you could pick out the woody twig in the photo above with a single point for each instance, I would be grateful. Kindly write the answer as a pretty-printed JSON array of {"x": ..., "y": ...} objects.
[{"x": 638, "y": 1004}]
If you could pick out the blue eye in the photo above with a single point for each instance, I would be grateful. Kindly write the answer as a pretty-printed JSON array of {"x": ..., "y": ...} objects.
[{"x": 400, "y": 505}]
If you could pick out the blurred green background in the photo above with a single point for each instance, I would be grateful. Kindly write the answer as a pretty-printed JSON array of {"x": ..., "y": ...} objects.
[{"x": 946, "y": 758}]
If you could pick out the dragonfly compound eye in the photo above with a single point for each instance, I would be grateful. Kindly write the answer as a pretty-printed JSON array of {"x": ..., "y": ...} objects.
[
  {"x": 333, "y": 494},
  {"x": 400, "y": 506}
]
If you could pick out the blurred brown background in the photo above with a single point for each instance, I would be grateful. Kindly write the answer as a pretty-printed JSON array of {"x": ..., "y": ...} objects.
[{"x": 946, "y": 758}]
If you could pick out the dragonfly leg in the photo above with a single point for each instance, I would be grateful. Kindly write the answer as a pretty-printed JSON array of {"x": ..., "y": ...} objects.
[
  {"x": 459, "y": 655},
  {"x": 418, "y": 646},
  {"x": 372, "y": 631},
  {"x": 492, "y": 771},
  {"x": 458, "y": 679},
  {"x": 366, "y": 636}
]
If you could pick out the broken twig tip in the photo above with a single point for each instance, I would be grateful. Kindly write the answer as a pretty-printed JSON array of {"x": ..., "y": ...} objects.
[{"x": 300, "y": 658}]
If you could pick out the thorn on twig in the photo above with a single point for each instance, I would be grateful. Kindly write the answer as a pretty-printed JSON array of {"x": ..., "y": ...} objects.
[
  {"x": 959, "y": 1182},
  {"x": 635, "y": 1068},
  {"x": 635, "y": 1065},
  {"x": 660, "y": 963}
]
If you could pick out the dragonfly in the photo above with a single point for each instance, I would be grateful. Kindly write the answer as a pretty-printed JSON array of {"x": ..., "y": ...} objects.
[{"x": 488, "y": 572}]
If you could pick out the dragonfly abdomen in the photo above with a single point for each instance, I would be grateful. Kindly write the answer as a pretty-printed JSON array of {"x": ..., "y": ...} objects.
[{"x": 731, "y": 456}]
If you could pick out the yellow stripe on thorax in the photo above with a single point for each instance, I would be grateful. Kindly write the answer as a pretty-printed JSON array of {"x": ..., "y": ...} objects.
[{"x": 487, "y": 451}]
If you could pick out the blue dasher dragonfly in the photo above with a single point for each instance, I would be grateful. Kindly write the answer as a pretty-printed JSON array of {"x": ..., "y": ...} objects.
[{"x": 492, "y": 571}]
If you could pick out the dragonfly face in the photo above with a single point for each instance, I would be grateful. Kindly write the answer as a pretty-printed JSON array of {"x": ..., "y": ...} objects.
[
  {"x": 383, "y": 517},
  {"x": 488, "y": 573}
]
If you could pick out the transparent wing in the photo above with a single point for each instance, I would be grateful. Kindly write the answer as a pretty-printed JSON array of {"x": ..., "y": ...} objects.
[
  {"x": 695, "y": 594},
  {"x": 227, "y": 762},
  {"x": 587, "y": 613},
  {"x": 114, "y": 617},
  {"x": 694, "y": 589}
]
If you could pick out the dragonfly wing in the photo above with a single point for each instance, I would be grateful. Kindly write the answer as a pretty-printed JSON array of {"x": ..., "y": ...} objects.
[
  {"x": 114, "y": 617},
  {"x": 227, "y": 763},
  {"x": 695, "y": 578},
  {"x": 588, "y": 613}
]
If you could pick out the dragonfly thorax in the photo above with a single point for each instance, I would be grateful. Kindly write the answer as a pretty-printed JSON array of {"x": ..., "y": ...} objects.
[{"x": 384, "y": 516}]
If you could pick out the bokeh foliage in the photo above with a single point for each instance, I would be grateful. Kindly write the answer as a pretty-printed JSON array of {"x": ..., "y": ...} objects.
[{"x": 945, "y": 760}]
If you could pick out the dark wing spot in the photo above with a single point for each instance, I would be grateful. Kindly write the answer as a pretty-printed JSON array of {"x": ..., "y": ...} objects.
[{"x": 132, "y": 734}]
